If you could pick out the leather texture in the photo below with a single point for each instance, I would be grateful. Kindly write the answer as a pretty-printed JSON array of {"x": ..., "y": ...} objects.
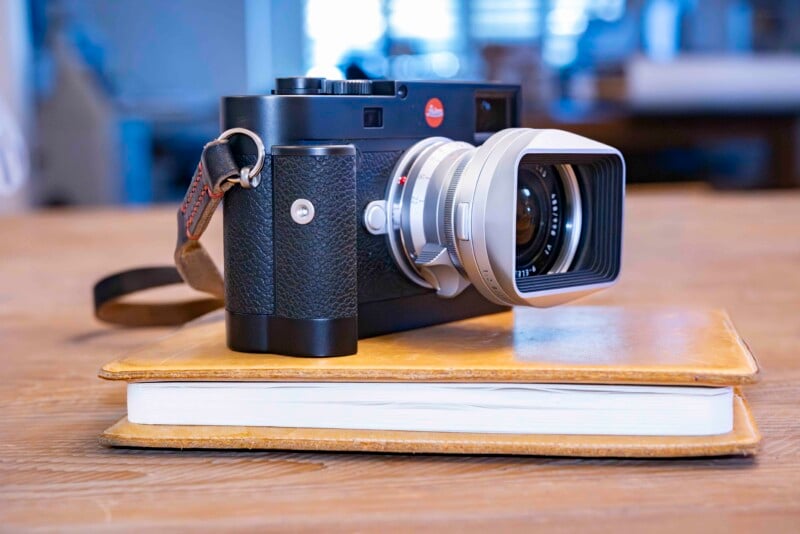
[
  {"x": 110, "y": 305},
  {"x": 569, "y": 344},
  {"x": 379, "y": 278},
  {"x": 209, "y": 184},
  {"x": 193, "y": 265},
  {"x": 743, "y": 440},
  {"x": 248, "y": 245},
  {"x": 566, "y": 345},
  {"x": 315, "y": 263}
]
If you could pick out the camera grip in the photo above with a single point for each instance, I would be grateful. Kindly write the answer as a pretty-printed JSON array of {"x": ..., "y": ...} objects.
[
  {"x": 291, "y": 256},
  {"x": 315, "y": 252},
  {"x": 315, "y": 256}
]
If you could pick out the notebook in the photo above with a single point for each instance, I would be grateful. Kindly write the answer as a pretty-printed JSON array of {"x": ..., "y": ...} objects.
[
  {"x": 575, "y": 380},
  {"x": 439, "y": 407}
]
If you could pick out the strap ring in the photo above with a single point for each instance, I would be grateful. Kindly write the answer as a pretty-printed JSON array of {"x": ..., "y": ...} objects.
[{"x": 249, "y": 177}]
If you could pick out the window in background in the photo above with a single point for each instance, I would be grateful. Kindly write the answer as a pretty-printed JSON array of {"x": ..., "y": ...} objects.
[
  {"x": 442, "y": 38},
  {"x": 506, "y": 20},
  {"x": 430, "y": 22},
  {"x": 661, "y": 29},
  {"x": 335, "y": 30},
  {"x": 423, "y": 39},
  {"x": 567, "y": 21},
  {"x": 376, "y": 39}
]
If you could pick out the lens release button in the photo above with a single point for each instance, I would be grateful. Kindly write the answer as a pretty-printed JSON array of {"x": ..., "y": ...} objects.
[
  {"x": 462, "y": 221},
  {"x": 375, "y": 217}
]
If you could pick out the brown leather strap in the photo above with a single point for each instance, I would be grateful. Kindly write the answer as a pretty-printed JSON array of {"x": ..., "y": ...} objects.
[
  {"x": 193, "y": 265},
  {"x": 111, "y": 308},
  {"x": 209, "y": 184}
]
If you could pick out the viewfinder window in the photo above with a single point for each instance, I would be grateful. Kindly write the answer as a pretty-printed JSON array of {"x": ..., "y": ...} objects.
[
  {"x": 373, "y": 117},
  {"x": 491, "y": 113}
]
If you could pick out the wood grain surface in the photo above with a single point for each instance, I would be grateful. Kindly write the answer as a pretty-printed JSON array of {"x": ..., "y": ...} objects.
[{"x": 735, "y": 251}]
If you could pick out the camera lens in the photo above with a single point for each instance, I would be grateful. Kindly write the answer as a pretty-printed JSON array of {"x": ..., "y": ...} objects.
[
  {"x": 544, "y": 210},
  {"x": 494, "y": 216}
]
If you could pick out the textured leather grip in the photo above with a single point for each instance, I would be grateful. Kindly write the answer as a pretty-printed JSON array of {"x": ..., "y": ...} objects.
[
  {"x": 248, "y": 245},
  {"x": 292, "y": 286},
  {"x": 315, "y": 263}
]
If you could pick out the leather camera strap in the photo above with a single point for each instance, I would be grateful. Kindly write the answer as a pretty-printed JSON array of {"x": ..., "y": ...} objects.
[{"x": 216, "y": 173}]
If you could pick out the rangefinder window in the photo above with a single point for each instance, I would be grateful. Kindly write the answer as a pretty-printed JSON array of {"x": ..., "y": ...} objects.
[
  {"x": 492, "y": 113},
  {"x": 373, "y": 117}
]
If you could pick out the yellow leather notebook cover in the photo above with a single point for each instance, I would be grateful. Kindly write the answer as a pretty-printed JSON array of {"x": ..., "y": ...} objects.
[
  {"x": 571, "y": 344},
  {"x": 743, "y": 440}
]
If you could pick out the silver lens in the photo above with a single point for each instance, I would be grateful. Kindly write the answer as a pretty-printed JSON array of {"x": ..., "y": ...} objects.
[{"x": 488, "y": 216}]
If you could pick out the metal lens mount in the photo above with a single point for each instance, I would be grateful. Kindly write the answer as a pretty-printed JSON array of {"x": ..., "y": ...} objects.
[{"x": 419, "y": 204}]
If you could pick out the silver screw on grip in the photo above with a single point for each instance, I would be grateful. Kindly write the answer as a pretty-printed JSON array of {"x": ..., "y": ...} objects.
[{"x": 302, "y": 211}]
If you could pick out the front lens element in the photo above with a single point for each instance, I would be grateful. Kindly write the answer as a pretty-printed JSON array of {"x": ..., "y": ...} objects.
[{"x": 548, "y": 219}]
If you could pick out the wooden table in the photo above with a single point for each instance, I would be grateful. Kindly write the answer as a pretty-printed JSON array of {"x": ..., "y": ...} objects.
[{"x": 682, "y": 247}]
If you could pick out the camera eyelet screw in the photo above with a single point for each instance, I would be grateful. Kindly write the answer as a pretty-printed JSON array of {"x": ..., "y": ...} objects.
[
  {"x": 248, "y": 180},
  {"x": 302, "y": 211}
]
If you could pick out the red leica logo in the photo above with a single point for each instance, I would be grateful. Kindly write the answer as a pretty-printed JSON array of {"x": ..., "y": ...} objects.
[{"x": 434, "y": 112}]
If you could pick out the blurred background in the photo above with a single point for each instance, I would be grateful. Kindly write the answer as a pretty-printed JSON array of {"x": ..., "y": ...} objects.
[{"x": 110, "y": 102}]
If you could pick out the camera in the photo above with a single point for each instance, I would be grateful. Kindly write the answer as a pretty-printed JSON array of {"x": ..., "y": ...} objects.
[{"x": 385, "y": 206}]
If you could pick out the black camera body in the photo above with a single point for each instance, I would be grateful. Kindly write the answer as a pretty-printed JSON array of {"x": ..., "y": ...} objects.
[{"x": 303, "y": 276}]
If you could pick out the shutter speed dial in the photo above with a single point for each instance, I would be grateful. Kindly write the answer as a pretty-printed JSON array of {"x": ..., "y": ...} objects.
[
  {"x": 349, "y": 87},
  {"x": 301, "y": 85},
  {"x": 321, "y": 86}
]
